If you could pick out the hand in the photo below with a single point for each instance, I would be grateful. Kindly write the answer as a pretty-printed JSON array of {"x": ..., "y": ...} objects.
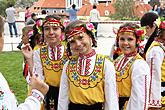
[
  {"x": 38, "y": 84},
  {"x": 27, "y": 51}
]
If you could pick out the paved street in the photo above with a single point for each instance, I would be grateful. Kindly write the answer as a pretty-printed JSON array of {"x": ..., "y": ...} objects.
[{"x": 105, "y": 39}]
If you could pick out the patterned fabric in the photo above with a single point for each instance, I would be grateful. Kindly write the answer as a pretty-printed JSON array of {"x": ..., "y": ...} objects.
[
  {"x": 87, "y": 83},
  {"x": 123, "y": 68},
  {"x": 53, "y": 68},
  {"x": 155, "y": 74},
  {"x": 88, "y": 80}
]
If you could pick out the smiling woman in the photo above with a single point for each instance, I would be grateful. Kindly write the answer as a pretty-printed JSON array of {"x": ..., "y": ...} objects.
[{"x": 1, "y": 33}]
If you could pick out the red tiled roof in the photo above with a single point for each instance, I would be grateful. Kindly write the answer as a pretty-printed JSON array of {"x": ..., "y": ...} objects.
[
  {"x": 140, "y": 8},
  {"x": 39, "y": 3},
  {"x": 50, "y": 3},
  {"x": 54, "y": 4},
  {"x": 85, "y": 10}
]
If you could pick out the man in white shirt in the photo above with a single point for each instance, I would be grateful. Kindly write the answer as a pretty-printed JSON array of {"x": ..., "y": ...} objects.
[
  {"x": 94, "y": 18},
  {"x": 10, "y": 12}
]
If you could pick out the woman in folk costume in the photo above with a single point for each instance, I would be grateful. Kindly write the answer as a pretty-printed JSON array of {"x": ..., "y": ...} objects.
[
  {"x": 155, "y": 57},
  {"x": 148, "y": 21},
  {"x": 48, "y": 61},
  {"x": 88, "y": 80},
  {"x": 132, "y": 71}
]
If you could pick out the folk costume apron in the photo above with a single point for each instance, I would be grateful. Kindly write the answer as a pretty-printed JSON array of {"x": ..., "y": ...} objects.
[{"x": 52, "y": 72}]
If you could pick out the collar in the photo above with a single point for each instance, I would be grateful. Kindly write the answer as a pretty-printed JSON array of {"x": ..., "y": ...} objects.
[
  {"x": 92, "y": 53},
  {"x": 131, "y": 54}
]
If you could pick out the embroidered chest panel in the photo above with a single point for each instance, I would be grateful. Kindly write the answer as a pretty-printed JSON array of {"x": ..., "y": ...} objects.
[
  {"x": 55, "y": 65},
  {"x": 124, "y": 71},
  {"x": 88, "y": 80}
]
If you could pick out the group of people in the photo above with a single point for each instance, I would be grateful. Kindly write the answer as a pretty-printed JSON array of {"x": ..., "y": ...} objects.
[{"x": 79, "y": 78}]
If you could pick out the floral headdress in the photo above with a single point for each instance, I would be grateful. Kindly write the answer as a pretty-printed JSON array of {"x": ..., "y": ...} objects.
[
  {"x": 80, "y": 30},
  {"x": 139, "y": 32},
  {"x": 53, "y": 22},
  {"x": 30, "y": 33},
  {"x": 39, "y": 24},
  {"x": 162, "y": 25}
]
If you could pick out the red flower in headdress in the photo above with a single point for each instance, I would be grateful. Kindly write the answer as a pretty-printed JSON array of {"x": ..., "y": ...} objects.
[
  {"x": 162, "y": 25},
  {"x": 139, "y": 32}
]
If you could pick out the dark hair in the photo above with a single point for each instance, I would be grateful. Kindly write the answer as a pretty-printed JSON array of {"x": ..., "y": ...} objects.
[
  {"x": 151, "y": 39},
  {"x": 10, "y": 5},
  {"x": 77, "y": 23},
  {"x": 33, "y": 15},
  {"x": 43, "y": 12},
  {"x": 27, "y": 8},
  {"x": 94, "y": 6},
  {"x": 73, "y": 6},
  {"x": 148, "y": 19}
]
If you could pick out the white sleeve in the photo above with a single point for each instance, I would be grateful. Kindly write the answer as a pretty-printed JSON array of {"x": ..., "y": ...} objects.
[
  {"x": 9, "y": 102},
  {"x": 63, "y": 100},
  {"x": 140, "y": 86},
  {"x": 37, "y": 68},
  {"x": 111, "y": 97},
  {"x": 155, "y": 59},
  {"x": 32, "y": 102}
]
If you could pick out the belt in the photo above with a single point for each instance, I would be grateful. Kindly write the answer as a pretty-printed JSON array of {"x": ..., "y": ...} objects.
[
  {"x": 97, "y": 106},
  {"x": 122, "y": 101},
  {"x": 162, "y": 88}
]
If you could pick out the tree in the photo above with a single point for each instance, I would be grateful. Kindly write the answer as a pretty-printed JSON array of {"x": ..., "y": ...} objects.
[
  {"x": 4, "y": 4},
  {"x": 25, "y": 3},
  {"x": 123, "y": 9},
  {"x": 154, "y": 2}
]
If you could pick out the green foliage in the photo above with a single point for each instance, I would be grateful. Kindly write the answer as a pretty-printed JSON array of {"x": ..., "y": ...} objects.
[
  {"x": 11, "y": 68},
  {"x": 4, "y": 4},
  {"x": 25, "y": 3},
  {"x": 123, "y": 10}
]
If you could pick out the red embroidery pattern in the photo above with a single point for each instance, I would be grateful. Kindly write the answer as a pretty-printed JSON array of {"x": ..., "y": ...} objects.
[
  {"x": 53, "y": 50},
  {"x": 82, "y": 60}
]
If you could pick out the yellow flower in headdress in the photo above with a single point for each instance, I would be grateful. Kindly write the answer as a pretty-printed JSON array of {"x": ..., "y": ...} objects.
[{"x": 158, "y": 21}]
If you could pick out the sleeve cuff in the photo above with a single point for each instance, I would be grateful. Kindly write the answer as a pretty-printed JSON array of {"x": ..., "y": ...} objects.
[{"x": 37, "y": 94}]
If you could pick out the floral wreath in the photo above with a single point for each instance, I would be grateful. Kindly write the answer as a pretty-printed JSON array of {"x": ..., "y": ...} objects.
[
  {"x": 139, "y": 32},
  {"x": 39, "y": 24},
  {"x": 90, "y": 27},
  {"x": 30, "y": 33}
]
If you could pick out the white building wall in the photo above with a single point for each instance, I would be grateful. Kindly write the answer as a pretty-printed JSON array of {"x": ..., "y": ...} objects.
[{"x": 78, "y": 3}]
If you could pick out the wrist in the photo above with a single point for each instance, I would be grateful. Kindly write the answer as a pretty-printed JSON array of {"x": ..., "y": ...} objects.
[{"x": 37, "y": 94}]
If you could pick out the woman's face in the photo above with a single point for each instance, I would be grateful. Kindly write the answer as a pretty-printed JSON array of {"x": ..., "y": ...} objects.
[
  {"x": 81, "y": 44},
  {"x": 150, "y": 30},
  {"x": 52, "y": 34},
  {"x": 127, "y": 42}
]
